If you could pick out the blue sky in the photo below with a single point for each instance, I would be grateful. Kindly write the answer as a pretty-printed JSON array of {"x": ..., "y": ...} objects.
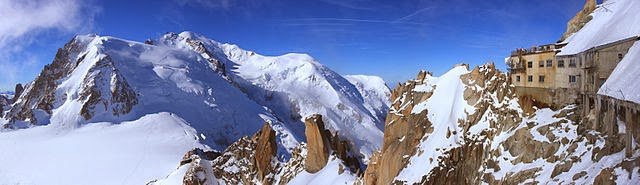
[{"x": 387, "y": 38}]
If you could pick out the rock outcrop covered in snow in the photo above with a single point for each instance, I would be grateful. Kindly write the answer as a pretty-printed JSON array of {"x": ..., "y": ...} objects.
[
  {"x": 580, "y": 19},
  {"x": 4, "y": 102},
  {"x": 253, "y": 160},
  {"x": 468, "y": 127}
]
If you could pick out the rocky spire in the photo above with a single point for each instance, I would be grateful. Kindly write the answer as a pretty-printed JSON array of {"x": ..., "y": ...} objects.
[
  {"x": 18, "y": 91},
  {"x": 265, "y": 150},
  {"x": 318, "y": 152}
]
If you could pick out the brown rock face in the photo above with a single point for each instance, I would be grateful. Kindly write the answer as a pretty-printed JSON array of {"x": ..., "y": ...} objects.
[
  {"x": 197, "y": 159},
  {"x": 321, "y": 143},
  {"x": 404, "y": 130},
  {"x": 317, "y": 147},
  {"x": 580, "y": 19},
  {"x": 18, "y": 91},
  {"x": 251, "y": 157},
  {"x": 265, "y": 150},
  {"x": 200, "y": 48},
  {"x": 3, "y": 102},
  {"x": 40, "y": 93},
  {"x": 119, "y": 99},
  {"x": 402, "y": 133}
]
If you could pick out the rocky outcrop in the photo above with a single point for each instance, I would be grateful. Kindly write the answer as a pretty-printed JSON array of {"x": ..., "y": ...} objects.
[
  {"x": 317, "y": 146},
  {"x": 247, "y": 161},
  {"x": 265, "y": 150},
  {"x": 579, "y": 20},
  {"x": 321, "y": 143},
  {"x": 18, "y": 91},
  {"x": 402, "y": 132},
  {"x": 4, "y": 101},
  {"x": 106, "y": 89},
  {"x": 197, "y": 159},
  {"x": 199, "y": 47},
  {"x": 40, "y": 94}
]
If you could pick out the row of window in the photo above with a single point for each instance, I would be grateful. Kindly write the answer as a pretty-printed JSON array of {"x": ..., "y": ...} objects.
[
  {"x": 572, "y": 78},
  {"x": 572, "y": 63}
]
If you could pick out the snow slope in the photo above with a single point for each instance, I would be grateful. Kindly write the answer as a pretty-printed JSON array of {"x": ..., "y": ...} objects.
[
  {"x": 624, "y": 81},
  {"x": 328, "y": 175},
  {"x": 99, "y": 153},
  {"x": 612, "y": 21},
  {"x": 165, "y": 79},
  {"x": 444, "y": 108},
  {"x": 295, "y": 86},
  {"x": 174, "y": 88},
  {"x": 375, "y": 92}
]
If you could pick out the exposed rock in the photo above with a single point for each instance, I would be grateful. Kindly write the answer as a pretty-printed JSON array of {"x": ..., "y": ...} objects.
[
  {"x": 199, "y": 47},
  {"x": 4, "y": 101},
  {"x": 579, "y": 20},
  {"x": 294, "y": 166},
  {"x": 265, "y": 150},
  {"x": 197, "y": 152},
  {"x": 247, "y": 161},
  {"x": 605, "y": 177},
  {"x": 317, "y": 146},
  {"x": 106, "y": 87},
  {"x": 199, "y": 172},
  {"x": 18, "y": 91},
  {"x": 40, "y": 93}
]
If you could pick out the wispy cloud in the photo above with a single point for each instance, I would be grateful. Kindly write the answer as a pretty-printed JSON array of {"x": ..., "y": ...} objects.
[
  {"x": 24, "y": 21},
  {"x": 417, "y": 12},
  {"x": 317, "y": 21},
  {"x": 353, "y": 4},
  {"x": 216, "y": 4}
]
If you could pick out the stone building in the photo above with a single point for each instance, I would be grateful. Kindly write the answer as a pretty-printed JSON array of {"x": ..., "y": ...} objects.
[
  {"x": 606, "y": 112},
  {"x": 537, "y": 73}
]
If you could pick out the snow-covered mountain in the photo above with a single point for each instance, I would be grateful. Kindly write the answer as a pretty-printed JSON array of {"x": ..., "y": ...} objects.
[
  {"x": 143, "y": 105},
  {"x": 470, "y": 126}
]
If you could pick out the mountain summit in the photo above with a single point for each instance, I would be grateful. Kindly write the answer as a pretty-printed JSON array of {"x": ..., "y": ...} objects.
[{"x": 216, "y": 92}]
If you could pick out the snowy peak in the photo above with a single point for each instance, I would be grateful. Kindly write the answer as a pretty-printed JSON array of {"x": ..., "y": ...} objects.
[
  {"x": 294, "y": 86},
  {"x": 613, "y": 20},
  {"x": 220, "y": 92}
]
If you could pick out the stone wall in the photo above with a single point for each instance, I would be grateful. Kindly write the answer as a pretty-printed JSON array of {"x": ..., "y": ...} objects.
[
  {"x": 615, "y": 118},
  {"x": 548, "y": 97}
]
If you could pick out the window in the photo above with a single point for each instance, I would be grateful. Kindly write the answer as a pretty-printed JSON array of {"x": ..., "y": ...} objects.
[
  {"x": 530, "y": 78},
  {"x": 518, "y": 78},
  {"x": 541, "y": 63},
  {"x": 572, "y": 79},
  {"x": 549, "y": 63},
  {"x": 560, "y": 63},
  {"x": 530, "y": 64},
  {"x": 540, "y": 78},
  {"x": 572, "y": 63}
]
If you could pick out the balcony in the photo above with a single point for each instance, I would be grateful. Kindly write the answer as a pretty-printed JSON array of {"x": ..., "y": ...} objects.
[{"x": 532, "y": 50}]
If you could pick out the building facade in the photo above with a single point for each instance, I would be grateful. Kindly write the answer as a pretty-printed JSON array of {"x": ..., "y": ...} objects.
[
  {"x": 537, "y": 73},
  {"x": 558, "y": 80}
]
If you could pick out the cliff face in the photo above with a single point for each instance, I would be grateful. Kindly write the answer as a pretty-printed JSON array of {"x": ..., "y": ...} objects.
[
  {"x": 487, "y": 137},
  {"x": 579, "y": 20},
  {"x": 40, "y": 94}
]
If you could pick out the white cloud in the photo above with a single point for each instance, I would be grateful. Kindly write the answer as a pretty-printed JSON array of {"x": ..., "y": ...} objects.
[
  {"x": 25, "y": 22},
  {"x": 20, "y": 18}
]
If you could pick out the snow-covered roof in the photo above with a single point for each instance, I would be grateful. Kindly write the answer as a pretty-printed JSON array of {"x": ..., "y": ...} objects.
[
  {"x": 624, "y": 81},
  {"x": 612, "y": 21}
]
